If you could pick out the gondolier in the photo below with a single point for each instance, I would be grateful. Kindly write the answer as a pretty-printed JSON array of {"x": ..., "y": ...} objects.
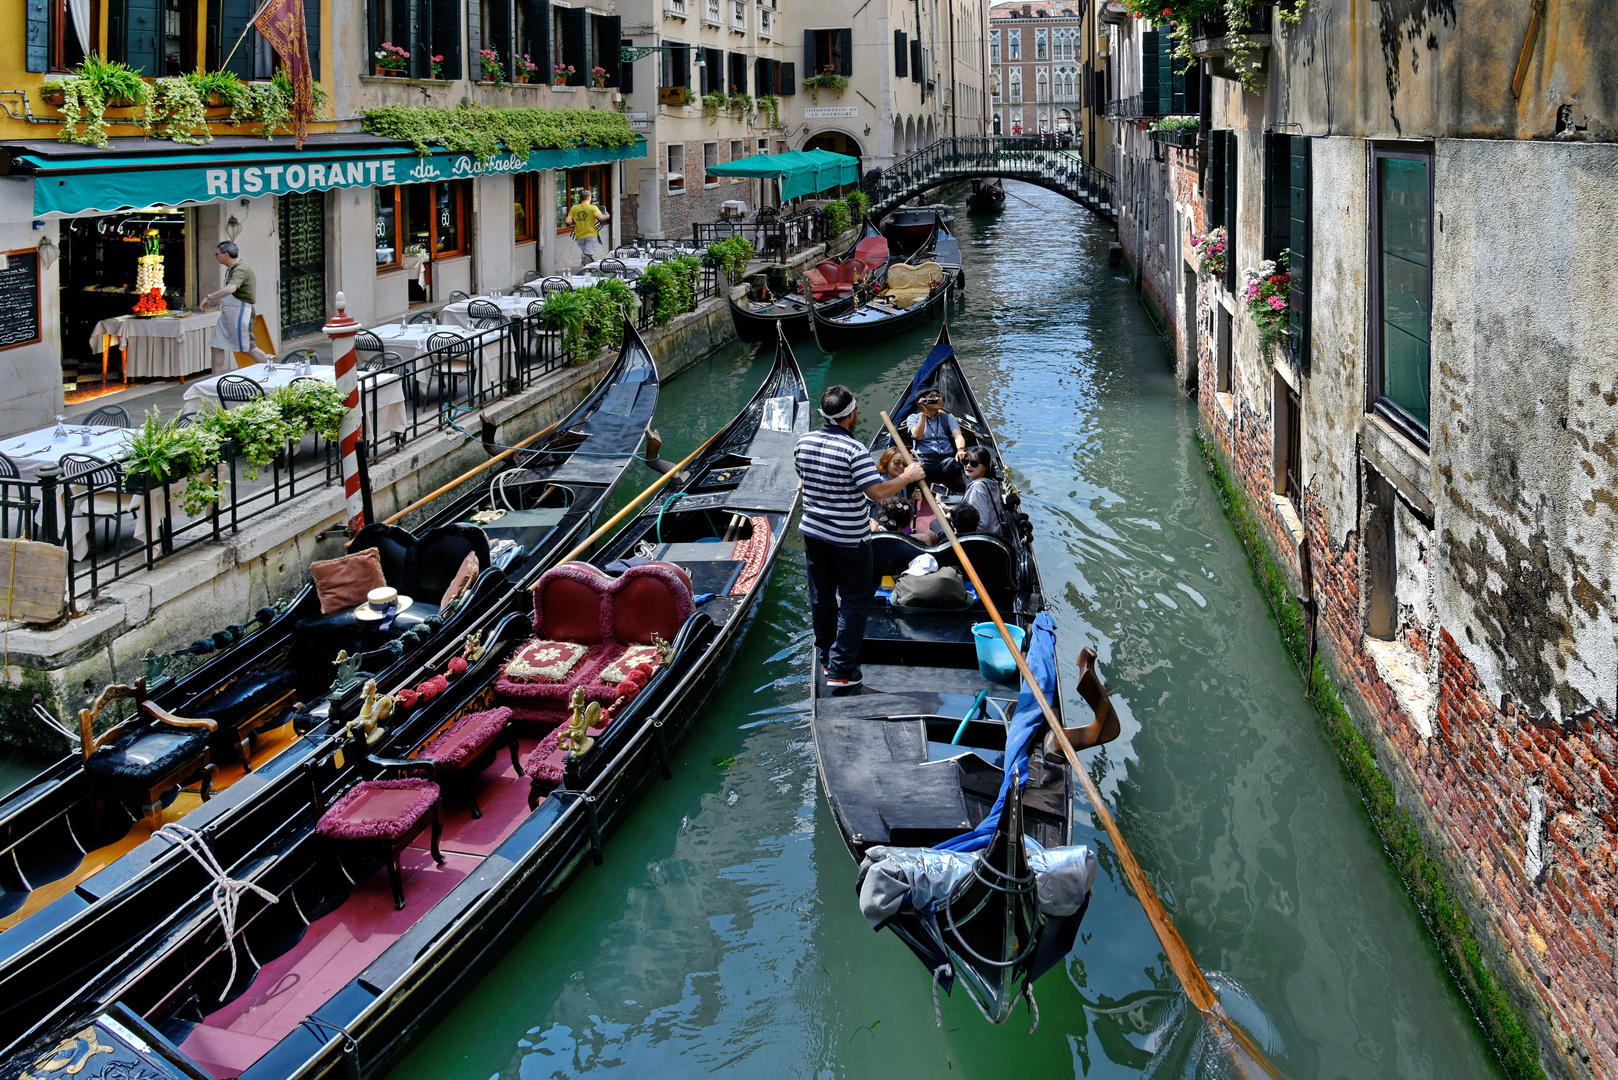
[
  {"x": 233, "y": 333},
  {"x": 838, "y": 479}
]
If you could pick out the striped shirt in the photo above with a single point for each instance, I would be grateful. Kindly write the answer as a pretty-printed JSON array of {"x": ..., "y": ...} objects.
[{"x": 835, "y": 470}]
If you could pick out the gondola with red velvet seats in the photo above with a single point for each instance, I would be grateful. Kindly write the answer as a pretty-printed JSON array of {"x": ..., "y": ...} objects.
[{"x": 756, "y": 320}]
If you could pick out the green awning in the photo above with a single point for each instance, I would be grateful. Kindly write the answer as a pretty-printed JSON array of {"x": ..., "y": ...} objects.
[
  {"x": 801, "y": 172},
  {"x": 75, "y": 183}
]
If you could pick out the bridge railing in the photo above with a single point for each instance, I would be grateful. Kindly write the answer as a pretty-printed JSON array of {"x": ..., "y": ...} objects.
[{"x": 1041, "y": 159}]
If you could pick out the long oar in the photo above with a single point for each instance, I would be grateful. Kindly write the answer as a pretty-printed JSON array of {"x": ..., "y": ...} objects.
[
  {"x": 1243, "y": 1052},
  {"x": 638, "y": 499},
  {"x": 425, "y": 499}
]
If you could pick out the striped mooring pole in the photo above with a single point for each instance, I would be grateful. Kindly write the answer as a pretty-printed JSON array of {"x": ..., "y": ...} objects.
[{"x": 341, "y": 329}]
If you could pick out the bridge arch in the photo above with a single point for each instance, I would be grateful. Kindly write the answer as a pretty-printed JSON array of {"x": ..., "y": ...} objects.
[{"x": 1033, "y": 161}]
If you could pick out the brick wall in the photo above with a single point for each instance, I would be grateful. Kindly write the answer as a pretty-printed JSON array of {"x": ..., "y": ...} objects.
[{"x": 1522, "y": 811}]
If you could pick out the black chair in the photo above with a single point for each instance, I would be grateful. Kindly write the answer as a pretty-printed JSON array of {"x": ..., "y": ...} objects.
[
  {"x": 365, "y": 341},
  {"x": 627, "y": 251},
  {"x": 382, "y": 361},
  {"x": 15, "y": 495},
  {"x": 531, "y": 275},
  {"x": 453, "y": 356},
  {"x": 424, "y": 318},
  {"x": 489, "y": 322},
  {"x": 663, "y": 254},
  {"x": 298, "y": 356},
  {"x": 482, "y": 309},
  {"x": 109, "y": 415},
  {"x": 185, "y": 420},
  {"x": 612, "y": 268},
  {"x": 237, "y": 389},
  {"x": 96, "y": 488},
  {"x": 525, "y": 290},
  {"x": 456, "y": 296},
  {"x": 555, "y": 285}
]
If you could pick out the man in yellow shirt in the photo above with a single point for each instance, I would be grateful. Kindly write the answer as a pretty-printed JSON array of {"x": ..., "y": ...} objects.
[{"x": 583, "y": 217}]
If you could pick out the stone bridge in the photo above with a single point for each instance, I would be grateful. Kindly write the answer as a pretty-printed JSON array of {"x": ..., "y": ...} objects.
[{"x": 1032, "y": 159}]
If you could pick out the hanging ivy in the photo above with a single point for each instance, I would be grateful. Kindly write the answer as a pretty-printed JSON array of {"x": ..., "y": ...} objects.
[
  {"x": 770, "y": 106},
  {"x": 174, "y": 111},
  {"x": 484, "y": 132}
]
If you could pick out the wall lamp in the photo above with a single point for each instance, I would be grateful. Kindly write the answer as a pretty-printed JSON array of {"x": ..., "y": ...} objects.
[{"x": 47, "y": 252}]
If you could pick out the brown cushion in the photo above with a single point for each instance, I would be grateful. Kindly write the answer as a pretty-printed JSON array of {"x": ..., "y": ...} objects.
[
  {"x": 342, "y": 583},
  {"x": 462, "y": 581}
]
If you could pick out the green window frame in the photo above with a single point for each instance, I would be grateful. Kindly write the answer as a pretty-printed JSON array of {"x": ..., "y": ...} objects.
[{"x": 1402, "y": 288}]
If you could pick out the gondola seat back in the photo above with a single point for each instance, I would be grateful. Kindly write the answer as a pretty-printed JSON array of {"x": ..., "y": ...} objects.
[
  {"x": 148, "y": 755},
  {"x": 872, "y": 251},
  {"x": 820, "y": 287},
  {"x": 992, "y": 559},
  {"x": 421, "y": 567},
  {"x": 891, "y": 553}
]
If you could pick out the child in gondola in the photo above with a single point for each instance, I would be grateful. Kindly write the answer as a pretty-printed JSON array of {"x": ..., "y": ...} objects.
[{"x": 897, "y": 515}]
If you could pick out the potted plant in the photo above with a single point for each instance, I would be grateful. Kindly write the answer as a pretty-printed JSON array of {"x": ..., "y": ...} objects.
[
  {"x": 85, "y": 96},
  {"x": 712, "y": 102},
  {"x": 561, "y": 73},
  {"x": 217, "y": 89},
  {"x": 392, "y": 60},
  {"x": 493, "y": 71},
  {"x": 1210, "y": 251},
  {"x": 162, "y": 452},
  {"x": 1177, "y": 131},
  {"x": 527, "y": 70},
  {"x": 1267, "y": 292},
  {"x": 828, "y": 79},
  {"x": 435, "y": 67},
  {"x": 598, "y": 77},
  {"x": 738, "y": 103}
]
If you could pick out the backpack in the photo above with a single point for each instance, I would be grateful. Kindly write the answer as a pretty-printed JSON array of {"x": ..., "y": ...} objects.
[{"x": 943, "y": 589}]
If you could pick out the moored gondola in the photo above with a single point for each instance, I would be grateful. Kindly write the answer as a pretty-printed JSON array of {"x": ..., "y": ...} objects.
[
  {"x": 755, "y": 321},
  {"x": 883, "y": 309},
  {"x": 602, "y": 671},
  {"x": 986, "y": 196},
  {"x": 910, "y": 227},
  {"x": 934, "y": 766},
  {"x": 87, "y": 874}
]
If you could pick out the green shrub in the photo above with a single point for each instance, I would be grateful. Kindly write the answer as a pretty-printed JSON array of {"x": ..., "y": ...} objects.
[
  {"x": 732, "y": 254},
  {"x": 858, "y": 203},
  {"x": 674, "y": 284},
  {"x": 836, "y": 218},
  {"x": 484, "y": 132}
]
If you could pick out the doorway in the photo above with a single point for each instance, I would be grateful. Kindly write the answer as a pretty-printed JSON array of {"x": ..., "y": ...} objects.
[{"x": 303, "y": 262}]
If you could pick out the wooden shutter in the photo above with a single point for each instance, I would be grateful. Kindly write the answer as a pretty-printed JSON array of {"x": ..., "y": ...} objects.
[
  {"x": 575, "y": 43},
  {"x": 443, "y": 38},
  {"x": 1277, "y": 193},
  {"x": 737, "y": 68},
  {"x": 761, "y": 77},
  {"x": 711, "y": 75},
  {"x": 809, "y": 53},
  {"x": 1232, "y": 200},
  {"x": 609, "y": 28},
  {"x": 789, "y": 78},
  {"x": 626, "y": 71},
  {"x": 915, "y": 60},
  {"x": 681, "y": 57},
  {"x": 845, "y": 51},
  {"x": 1302, "y": 192},
  {"x": 1192, "y": 89},
  {"x": 311, "y": 19},
  {"x": 227, "y": 21},
  {"x": 39, "y": 36},
  {"x": 495, "y": 32},
  {"x": 535, "y": 36},
  {"x": 901, "y": 55},
  {"x": 139, "y": 40},
  {"x": 1215, "y": 182},
  {"x": 1151, "y": 69}
]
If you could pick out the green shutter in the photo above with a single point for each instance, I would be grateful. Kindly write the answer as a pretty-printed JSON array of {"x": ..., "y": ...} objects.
[
  {"x": 1277, "y": 196},
  {"x": 609, "y": 28},
  {"x": 535, "y": 37},
  {"x": 311, "y": 19},
  {"x": 789, "y": 78},
  {"x": 809, "y": 53},
  {"x": 1232, "y": 201},
  {"x": 235, "y": 19},
  {"x": 444, "y": 39},
  {"x": 1215, "y": 185},
  {"x": 626, "y": 70},
  {"x": 142, "y": 22},
  {"x": 915, "y": 60},
  {"x": 575, "y": 50},
  {"x": 845, "y": 48},
  {"x": 494, "y": 32},
  {"x": 1150, "y": 74},
  {"x": 901, "y": 55},
  {"x": 1302, "y": 199},
  {"x": 39, "y": 36}
]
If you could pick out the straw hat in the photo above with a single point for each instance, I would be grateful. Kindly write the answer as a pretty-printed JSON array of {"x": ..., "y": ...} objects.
[{"x": 377, "y": 601}]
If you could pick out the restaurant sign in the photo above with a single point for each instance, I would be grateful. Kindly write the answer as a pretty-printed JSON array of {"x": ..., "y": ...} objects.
[{"x": 132, "y": 182}]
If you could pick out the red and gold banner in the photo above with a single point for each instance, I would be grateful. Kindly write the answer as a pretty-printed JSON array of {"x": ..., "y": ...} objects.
[{"x": 281, "y": 23}]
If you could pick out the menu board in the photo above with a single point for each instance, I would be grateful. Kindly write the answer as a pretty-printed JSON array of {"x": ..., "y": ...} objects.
[{"x": 19, "y": 299}]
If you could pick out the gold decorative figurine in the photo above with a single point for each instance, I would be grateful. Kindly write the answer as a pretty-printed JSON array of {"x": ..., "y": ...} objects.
[{"x": 576, "y": 738}]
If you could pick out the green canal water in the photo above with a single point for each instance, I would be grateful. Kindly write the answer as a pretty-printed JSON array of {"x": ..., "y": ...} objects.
[{"x": 721, "y": 935}]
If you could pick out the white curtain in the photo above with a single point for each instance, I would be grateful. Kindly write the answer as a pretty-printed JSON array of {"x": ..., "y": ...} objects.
[{"x": 80, "y": 10}]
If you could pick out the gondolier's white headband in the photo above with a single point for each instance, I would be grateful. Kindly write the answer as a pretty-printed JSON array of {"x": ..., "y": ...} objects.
[{"x": 852, "y": 403}]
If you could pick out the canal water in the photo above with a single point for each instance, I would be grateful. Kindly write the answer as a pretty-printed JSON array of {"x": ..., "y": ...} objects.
[{"x": 721, "y": 937}]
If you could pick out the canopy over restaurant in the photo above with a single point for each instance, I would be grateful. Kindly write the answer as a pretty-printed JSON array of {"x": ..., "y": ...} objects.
[{"x": 801, "y": 172}]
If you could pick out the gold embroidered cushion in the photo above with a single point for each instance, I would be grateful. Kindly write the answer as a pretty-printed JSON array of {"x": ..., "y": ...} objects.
[
  {"x": 545, "y": 661},
  {"x": 633, "y": 657}
]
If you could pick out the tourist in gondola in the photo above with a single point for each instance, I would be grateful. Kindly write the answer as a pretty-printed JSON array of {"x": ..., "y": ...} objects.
[
  {"x": 898, "y": 515},
  {"x": 838, "y": 477},
  {"x": 939, "y": 442},
  {"x": 977, "y": 466}
]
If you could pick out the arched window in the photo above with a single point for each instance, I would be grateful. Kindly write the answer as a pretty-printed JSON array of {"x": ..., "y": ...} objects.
[
  {"x": 1015, "y": 89},
  {"x": 994, "y": 46},
  {"x": 1042, "y": 50},
  {"x": 1014, "y": 43},
  {"x": 1043, "y": 85}
]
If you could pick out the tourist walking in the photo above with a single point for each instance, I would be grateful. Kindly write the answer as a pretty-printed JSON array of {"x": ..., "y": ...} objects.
[
  {"x": 839, "y": 481},
  {"x": 233, "y": 333},
  {"x": 583, "y": 217}
]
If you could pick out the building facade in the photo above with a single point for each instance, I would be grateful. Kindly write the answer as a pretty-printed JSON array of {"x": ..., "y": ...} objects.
[
  {"x": 1036, "y": 58},
  {"x": 351, "y": 212}
]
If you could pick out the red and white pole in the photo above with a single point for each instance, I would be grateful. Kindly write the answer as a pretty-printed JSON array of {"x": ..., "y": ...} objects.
[{"x": 341, "y": 329}]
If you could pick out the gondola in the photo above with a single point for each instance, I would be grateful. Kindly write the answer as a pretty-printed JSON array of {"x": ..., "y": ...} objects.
[
  {"x": 336, "y": 978},
  {"x": 986, "y": 197},
  {"x": 757, "y": 322},
  {"x": 85, "y": 874},
  {"x": 910, "y": 227},
  {"x": 873, "y": 319},
  {"x": 937, "y": 775}
]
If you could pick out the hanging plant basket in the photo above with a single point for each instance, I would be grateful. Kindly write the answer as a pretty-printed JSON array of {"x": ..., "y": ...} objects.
[{"x": 54, "y": 96}]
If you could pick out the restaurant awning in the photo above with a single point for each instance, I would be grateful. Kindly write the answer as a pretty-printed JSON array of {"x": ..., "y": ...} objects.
[
  {"x": 136, "y": 173},
  {"x": 801, "y": 172}
]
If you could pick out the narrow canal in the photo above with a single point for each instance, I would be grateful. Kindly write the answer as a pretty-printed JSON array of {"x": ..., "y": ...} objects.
[{"x": 721, "y": 935}]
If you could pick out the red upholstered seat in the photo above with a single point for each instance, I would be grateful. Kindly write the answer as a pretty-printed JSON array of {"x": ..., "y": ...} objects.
[
  {"x": 453, "y": 750},
  {"x": 872, "y": 251},
  {"x": 828, "y": 270},
  {"x": 819, "y": 287},
  {"x": 569, "y": 604},
  {"x": 378, "y": 809},
  {"x": 851, "y": 271}
]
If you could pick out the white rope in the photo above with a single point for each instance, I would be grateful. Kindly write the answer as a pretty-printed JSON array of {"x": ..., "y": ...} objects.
[
  {"x": 227, "y": 890},
  {"x": 940, "y": 972},
  {"x": 1033, "y": 1006}
]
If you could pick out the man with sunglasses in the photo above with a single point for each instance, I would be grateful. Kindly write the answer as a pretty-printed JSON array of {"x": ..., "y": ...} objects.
[{"x": 938, "y": 439}]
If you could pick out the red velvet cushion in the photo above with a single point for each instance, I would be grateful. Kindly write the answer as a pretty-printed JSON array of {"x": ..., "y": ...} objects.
[
  {"x": 467, "y": 738},
  {"x": 343, "y": 583},
  {"x": 851, "y": 271},
  {"x": 378, "y": 810},
  {"x": 569, "y": 604},
  {"x": 828, "y": 270},
  {"x": 651, "y": 598},
  {"x": 462, "y": 581}
]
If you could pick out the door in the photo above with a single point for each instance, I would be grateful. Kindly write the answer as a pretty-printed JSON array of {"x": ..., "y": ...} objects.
[{"x": 303, "y": 262}]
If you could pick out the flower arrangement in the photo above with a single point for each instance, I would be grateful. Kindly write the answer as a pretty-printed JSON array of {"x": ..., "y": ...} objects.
[
  {"x": 435, "y": 66},
  {"x": 828, "y": 79},
  {"x": 561, "y": 73},
  {"x": 598, "y": 76},
  {"x": 1210, "y": 250},
  {"x": 391, "y": 59},
  {"x": 489, "y": 63},
  {"x": 527, "y": 70},
  {"x": 1178, "y": 14},
  {"x": 1267, "y": 291}
]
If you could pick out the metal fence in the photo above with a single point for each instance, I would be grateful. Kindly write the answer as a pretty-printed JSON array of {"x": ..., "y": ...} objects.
[{"x": 772, "y": 235}]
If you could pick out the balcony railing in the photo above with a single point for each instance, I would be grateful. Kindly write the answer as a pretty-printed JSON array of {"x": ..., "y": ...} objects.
[{"x": 1133, "y": 107}]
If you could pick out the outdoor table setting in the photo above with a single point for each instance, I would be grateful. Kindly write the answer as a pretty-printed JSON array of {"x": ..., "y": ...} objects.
[
  {"x": 386, "y": 391},
  {"x": 163, "y": 346},
  {"x": 410, "y": 341},
  {"x": 456, "y": 314},
  {"x": 34, "y": 450}
]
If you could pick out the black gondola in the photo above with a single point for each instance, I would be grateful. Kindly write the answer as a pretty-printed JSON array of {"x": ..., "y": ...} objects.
[
  {"x": 935, "y": 773},
  {"x": 85, "y": 875},
  {"x": 791, "y": 312},
  {"x": 690, "y": 566},
  {"x": 910, "y": 227},
  {"x": 987, "y": 196},
  {"x": 872, "y": 319}
]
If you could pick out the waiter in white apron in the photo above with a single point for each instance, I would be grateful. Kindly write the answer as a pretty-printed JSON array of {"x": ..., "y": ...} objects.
[{"x": 233, "y": 333}]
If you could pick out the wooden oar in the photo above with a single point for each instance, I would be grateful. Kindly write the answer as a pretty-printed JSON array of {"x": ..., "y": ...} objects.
[
  {"x": 638, "y": 499},
  {"x": 1238, "y": 1045},
  {"x": 425, "y": 499}
]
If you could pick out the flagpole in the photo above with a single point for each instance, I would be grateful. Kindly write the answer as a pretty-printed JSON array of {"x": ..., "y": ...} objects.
[{"x": 243, "y": 38}]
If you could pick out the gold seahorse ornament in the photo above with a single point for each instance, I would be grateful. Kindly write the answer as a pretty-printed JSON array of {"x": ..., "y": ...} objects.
[{"x": 576, "y": 738}]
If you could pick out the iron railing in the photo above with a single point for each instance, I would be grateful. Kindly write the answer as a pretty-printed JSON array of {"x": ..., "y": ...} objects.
[
  {"x": 772, "y": 236},
  {"x": 1040, "y": 159}
]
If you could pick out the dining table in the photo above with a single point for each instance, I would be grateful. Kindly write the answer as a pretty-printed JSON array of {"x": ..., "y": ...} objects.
[
  {"x": 458, "y": 313},
  {"x": 382, "y": 394},
  {"x": 410, "y": 341},
  {"x": 32, "y": 451},
  {"x": 160, "y": 347}
]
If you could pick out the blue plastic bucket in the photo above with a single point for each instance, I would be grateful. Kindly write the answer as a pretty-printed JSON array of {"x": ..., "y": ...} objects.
[{"x": 994, "y": 660}]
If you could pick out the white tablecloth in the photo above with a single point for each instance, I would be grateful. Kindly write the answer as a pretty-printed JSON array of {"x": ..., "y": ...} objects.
[
  {"x": 410, "y": 342},
  {"x": 163, "y": 347},
  {"x": 456, "y": 314},
  {"x": 386, "y": 390},
  {"x": 33, "y": 451}
]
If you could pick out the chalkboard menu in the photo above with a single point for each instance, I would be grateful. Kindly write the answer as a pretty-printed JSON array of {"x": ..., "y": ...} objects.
[{"x": 19, "y": 299}]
